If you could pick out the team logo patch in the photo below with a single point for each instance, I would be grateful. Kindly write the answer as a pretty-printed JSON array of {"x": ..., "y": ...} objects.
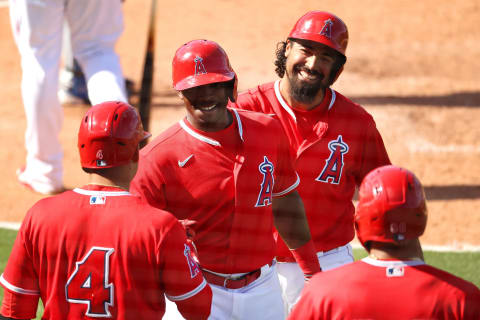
[
  {"x": 192, "y": 264},
  {"x": 98, "y": 200},
  {"x": 266, "y": 187},
  {"x": 199, "y": 67},
  {"x": 332, "y": 171},
  {"x": 327, "y": 28},
  {"x": 395, "y": 271}
]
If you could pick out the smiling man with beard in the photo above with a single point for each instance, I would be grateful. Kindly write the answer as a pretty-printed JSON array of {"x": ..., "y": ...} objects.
[
  {"x": 228, "y": 174},
  {"x": 335, "y": 141}
]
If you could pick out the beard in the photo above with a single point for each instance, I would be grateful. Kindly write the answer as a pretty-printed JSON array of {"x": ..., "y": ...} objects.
[{"x": 303, "y": 91}]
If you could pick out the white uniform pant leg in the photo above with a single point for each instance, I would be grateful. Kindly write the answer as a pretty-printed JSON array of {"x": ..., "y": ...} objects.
[
  {"x": 261, "y": 299},
  {"x": 291, "y": 276},
  {"x": 95, "y": 27},
  {"x": 171, "y": 311},
  {"x": 37, "y": 29}
]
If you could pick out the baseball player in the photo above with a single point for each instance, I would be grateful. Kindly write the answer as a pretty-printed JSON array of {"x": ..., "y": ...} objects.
[
  {"x": 227, "y": 171},
  {"x": 334, "y": 140},
  {"x": 37, "y": 28},
  {"x": 98, "y": 251},
  {"x": 393, "y": 282}
]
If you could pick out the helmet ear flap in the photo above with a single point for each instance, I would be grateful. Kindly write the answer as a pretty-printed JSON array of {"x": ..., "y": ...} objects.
[
  {"x": 233, "y": 91},
  {"x": 338, "y": 74}
]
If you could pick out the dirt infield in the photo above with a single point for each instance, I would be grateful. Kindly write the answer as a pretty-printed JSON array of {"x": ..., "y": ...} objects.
[{"x": 413, "y": 64}]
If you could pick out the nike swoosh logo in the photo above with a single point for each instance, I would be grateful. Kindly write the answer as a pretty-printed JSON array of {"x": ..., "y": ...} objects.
[{"x": 181, "y": 164}]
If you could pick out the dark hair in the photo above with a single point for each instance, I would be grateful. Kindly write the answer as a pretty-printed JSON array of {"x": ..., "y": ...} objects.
[
  {"x": 281, "y": 59},
  {"x": 280, "y": 62}
]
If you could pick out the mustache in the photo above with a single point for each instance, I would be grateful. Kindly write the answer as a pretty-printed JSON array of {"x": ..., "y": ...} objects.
[{"x": 203, "y": 103}]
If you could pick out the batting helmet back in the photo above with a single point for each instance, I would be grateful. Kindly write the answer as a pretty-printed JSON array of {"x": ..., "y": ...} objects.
[
  {"x": 109, "y": 135},
  {"x": 200, "y": 62},
  {"x": 391, "y": 206},
  {"x": 322, "y": 27}
]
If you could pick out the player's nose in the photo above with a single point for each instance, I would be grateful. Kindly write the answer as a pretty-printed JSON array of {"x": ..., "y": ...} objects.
[{"x": 312, "y": 63}]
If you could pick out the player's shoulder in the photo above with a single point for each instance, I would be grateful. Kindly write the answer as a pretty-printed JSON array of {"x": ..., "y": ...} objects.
[
  {"x": 449, "y": 280},
  {"x": 254, "y": 118},
  {"x": 167, "y": 137},
  {"x": 336, "y": 275},
  {"x": 257, "y": 90},
  {"x": 254, "y": 98},
  {"x": 61, "y": 200},
  {"x": 152, "y": 216},
  {"x": 346, "y": 105}
]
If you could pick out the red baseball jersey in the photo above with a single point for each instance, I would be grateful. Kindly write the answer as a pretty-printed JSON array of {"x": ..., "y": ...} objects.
[
  {"x": 333, "y": 151},
  {"x": 224, "y": 182},
  {"x": 387, "y": 289},
  {"x": 98, "y": 252}
]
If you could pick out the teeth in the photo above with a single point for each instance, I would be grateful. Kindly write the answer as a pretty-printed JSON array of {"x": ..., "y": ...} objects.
[
  {"x": 306, "y": 74},
  {"x": 208, "y": 108}
]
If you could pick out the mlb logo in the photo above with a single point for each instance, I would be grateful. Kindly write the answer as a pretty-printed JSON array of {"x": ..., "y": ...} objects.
[
  {"x": 101, "y": 163},
  {"x": 98, "y": 199},
  {"x": 395, "y": 271}
]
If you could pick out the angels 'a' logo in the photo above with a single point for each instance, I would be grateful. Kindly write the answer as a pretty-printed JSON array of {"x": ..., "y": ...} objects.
[
  {"x": 327, "y": 28},
  {"x": 266, "y": 190},
  {"x": 334, "y": 164},
  {"x": 192, "y": 264},
  {"x": 199, "y": 67}
]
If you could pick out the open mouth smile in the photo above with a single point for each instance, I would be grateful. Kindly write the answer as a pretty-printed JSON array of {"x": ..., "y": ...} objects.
[{"x": 207, "y": 107}]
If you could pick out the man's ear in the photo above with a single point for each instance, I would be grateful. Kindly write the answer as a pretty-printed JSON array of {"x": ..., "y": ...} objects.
[{"x": 288, "y": 47}]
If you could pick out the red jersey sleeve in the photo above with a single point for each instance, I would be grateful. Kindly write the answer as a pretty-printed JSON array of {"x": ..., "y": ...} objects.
[
  {"x": 149, "y": 189},
  {"x": 182, "y": 278},
  {"x": 247, "y": 101},
  {"x": 286, "y": 178},
  {"x": 20, "y": 279},
  {"x": 374, "y": 154}
]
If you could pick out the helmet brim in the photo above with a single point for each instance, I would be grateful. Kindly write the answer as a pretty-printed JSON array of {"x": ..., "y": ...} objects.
[{"x": 203, "y": 79}]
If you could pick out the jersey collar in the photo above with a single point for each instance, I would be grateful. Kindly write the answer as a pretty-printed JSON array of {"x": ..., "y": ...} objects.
[
  {"x": 287, "y": 108},
  {"x": 93, "y": 190},
  {"x": 392, "y": 263},
  {"x": 197, "y": 135}
]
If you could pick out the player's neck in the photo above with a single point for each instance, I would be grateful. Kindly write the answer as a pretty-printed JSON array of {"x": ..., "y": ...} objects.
[
  {"x": 383, "y": 251},
  {"x": 285, "y": 91},
  {"x": 99, "y": 180}
]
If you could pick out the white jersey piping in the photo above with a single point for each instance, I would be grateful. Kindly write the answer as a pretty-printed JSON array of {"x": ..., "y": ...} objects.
[
  {"x": 393, "y": 263},
  {"x": 287, "y": 108},
  {"x": 13, "y": 288},
  {"x": 293, "y": 186},
  {"x": 188, "y": 294},
  {"x": 102, "y": 193},
  {"x": 208, "y": 140}
]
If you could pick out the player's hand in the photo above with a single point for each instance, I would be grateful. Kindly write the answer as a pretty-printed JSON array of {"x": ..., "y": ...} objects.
[
  {"x": 188, "y": 225},
  {"x": 190, "y": 232}
]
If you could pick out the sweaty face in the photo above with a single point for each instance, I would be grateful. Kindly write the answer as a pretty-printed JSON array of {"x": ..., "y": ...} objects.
[
  {"x": 206, "y": 106},
  {"x": 308, "y": 68}
]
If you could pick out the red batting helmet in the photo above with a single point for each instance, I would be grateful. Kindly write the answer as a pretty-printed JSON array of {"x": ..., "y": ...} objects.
[
  {"x": 391, "y": 206},
  {"x": 200, "y": 62},
  {"x": 322, "y": 27},
  {"x": 109, "y": 135}
]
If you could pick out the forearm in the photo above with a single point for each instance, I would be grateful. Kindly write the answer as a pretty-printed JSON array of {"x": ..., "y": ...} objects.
[
  {"x": 290, "y": 220},
  {"x": 292, "y": 225}
]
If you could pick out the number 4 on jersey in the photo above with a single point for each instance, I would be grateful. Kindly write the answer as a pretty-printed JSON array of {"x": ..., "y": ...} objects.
[{"x": 89, "y": 285}]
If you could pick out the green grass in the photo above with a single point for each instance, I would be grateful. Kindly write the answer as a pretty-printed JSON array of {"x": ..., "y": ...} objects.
[{"x": 462, "y": 264}]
